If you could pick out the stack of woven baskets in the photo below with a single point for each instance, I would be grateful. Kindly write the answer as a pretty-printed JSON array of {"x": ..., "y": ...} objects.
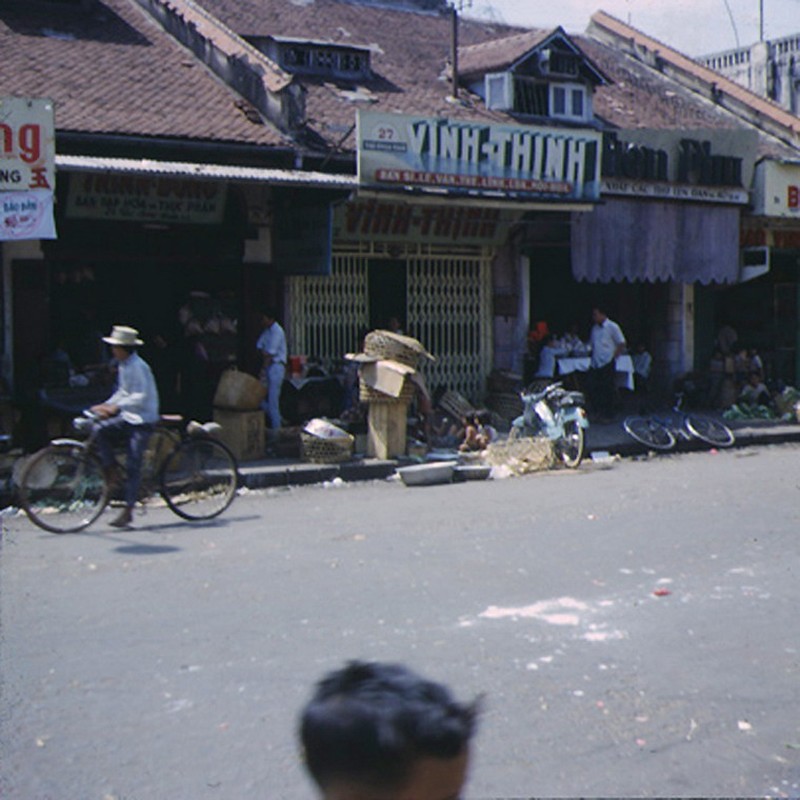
[
  {"x": 388, "y": 363},
  {"x": 387, "y": 382}
]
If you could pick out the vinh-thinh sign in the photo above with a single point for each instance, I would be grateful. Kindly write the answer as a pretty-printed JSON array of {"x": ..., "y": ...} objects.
[
  {"x": 398, "y": 151},
  {"x": 27, "y": 168}
]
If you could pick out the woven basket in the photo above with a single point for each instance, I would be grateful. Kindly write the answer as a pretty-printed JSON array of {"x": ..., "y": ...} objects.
[
  {"x": 369, "y": 395},
  {"x": 456, "y": 404},
  {"x": 507, "y": 405},
  {"x": 331, "y": 450},
  {"x": 394, "y": 347},
  {"x": 239, "y": 391},
  {"x": 521, "y": 454}
]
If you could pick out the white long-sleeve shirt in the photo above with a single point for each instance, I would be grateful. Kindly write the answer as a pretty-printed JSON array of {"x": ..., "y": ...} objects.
[{"x": 136, "y": 394}]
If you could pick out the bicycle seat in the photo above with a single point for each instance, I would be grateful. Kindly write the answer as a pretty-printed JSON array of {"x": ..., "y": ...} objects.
[{"x": 171, "y": 420}]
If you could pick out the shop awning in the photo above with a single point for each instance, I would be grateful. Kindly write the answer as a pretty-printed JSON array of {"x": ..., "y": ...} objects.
[
  {"x": 226, "y": 172},
  {"x": 656, "y": 241}
]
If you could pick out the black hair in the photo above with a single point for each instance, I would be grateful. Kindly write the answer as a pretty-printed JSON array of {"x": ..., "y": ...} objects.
[
  {"x": 369, "y": 723},
  {"x": 270, "y": 312}
]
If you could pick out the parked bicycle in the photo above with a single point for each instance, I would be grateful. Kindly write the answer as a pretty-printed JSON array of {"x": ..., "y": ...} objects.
[
  {"x": 662, "y": 432},
  {"x": 63, "y": 487}
]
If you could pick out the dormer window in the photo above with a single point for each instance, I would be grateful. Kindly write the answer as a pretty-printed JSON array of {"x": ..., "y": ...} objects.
[
  {"x": 528, "y": 96},
  {"x": 533, "y": 74},
  {"x": 307, "y": 57}
]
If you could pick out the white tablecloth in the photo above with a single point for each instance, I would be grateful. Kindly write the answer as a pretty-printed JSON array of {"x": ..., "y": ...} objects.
[{"x": 624, "y": 367}]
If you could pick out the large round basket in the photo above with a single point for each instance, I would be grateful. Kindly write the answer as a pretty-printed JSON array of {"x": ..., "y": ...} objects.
[
  {"x": 326, "y": 450},
  {"x": 394, "y": 347}
]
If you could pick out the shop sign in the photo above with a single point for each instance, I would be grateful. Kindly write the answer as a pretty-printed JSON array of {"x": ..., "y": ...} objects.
[
  {"x": 397, "y": 151},
  {"x": 27, "y": 144},
  {"x": 777, "y": 190},
  {"x": 26, "y": 215},
  {"x": 144, "y": 198},
  {"x": 705, "y": 166},
  {"x": 380, "y": 220}
]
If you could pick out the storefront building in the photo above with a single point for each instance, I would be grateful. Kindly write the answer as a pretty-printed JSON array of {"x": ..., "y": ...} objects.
[
  {"x": 431, "y": 239},
  {"x": 766, "y": 309}
]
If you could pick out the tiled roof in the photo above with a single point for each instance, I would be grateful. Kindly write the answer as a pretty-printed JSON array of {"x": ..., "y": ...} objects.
[
  {"x": 498, "y": 54},
  {"x": 114, "y": 70},
  {"x": 410, "y": 55},
  {"x": 690, "y": 68},
  {"x": 642, "y": 97}
]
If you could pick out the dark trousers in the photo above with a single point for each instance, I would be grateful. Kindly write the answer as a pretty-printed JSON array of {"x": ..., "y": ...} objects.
[
  {"x": 602, "y": 388},
  {"x": 115, "y": 432}
]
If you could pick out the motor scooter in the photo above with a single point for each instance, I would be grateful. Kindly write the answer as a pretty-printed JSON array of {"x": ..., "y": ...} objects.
[{"x": 560, "y": 415}]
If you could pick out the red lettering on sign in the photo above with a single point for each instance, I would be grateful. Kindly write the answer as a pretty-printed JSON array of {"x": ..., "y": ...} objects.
[
  {"x": 38, "y": 179},
  {"x": 794, "y": 197}
]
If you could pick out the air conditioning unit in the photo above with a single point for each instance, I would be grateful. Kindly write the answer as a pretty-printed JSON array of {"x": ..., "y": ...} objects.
[{"x": 755, "y": 262}]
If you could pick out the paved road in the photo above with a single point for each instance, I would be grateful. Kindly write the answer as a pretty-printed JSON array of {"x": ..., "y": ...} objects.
[{"x": 634, "y": 630}]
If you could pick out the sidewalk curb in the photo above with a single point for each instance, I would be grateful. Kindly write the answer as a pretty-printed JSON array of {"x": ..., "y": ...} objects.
[
  {"x": 265, "y": 476},
  {"x": 600, "y": 438}
]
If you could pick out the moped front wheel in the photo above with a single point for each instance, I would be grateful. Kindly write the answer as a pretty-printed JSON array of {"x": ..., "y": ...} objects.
[{"x": 570, "y": 447}]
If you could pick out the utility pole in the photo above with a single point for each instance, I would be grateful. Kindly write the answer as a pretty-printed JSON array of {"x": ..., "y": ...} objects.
[
  {"x": 760, "y": 20},
  {"x": 455, "y": 7}
]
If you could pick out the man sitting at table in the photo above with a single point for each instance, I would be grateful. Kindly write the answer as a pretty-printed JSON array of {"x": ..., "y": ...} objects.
[
  {"x": 607, "y": 342},
  {"x": 547, "y": 358}
]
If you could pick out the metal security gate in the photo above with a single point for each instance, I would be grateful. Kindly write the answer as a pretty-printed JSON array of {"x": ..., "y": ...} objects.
[{"x": 448, "y": 308}]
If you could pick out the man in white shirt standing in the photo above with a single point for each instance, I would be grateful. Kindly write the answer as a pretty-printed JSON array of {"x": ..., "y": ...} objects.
[
  {"x": 607, "y": 342},
  {"x": 272, "y": 346},
  {"x": 127, "y": 416}
]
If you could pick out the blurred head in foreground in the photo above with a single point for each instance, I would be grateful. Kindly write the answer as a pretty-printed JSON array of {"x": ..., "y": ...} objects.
[{"x": 374, "y": 731}]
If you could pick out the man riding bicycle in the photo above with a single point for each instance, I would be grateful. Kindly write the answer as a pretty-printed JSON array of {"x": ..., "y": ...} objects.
[{"x": 127, "y": 417}]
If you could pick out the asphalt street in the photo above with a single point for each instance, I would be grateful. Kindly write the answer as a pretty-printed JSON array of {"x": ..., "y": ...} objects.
[{"x": 634, "y": 632}]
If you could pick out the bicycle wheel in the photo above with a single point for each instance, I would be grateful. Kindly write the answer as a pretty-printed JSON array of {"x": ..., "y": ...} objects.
[
  {"x": 650, "y": 433},
  {"x": 570, "y": 446},
  {"x": 710, "y": 430},
  {"x": 199, "y": 479},
  {"x": 62, "y": 488}
]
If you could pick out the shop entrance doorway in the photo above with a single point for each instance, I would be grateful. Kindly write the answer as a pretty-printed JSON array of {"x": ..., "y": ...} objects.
[{"x": 387, "y": 287}]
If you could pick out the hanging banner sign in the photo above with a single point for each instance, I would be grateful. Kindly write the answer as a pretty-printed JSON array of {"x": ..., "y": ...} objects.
[
  {"x": 705, "y": 166},
  {"x": 26, "y": 215},
  {"x": 140, "y": 198},
  {"x": 27, "y": 144},
  {"x": 451, "y": 156}
]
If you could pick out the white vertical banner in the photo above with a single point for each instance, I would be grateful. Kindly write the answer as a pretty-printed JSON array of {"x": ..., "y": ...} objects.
[{"x": 27, "y": 168}]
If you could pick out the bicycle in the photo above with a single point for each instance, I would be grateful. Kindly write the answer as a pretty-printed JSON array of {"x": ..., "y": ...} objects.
[
  {"x": 663, "y": 432},
  {"x": 63, "y": 487}
]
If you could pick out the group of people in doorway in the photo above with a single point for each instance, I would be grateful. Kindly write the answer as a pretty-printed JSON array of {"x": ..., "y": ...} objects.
[{"x": 606, "y": 343}]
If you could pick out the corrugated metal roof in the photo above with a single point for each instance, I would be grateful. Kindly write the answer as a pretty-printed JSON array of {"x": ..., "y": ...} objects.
[{"x": 145, "y": 166}]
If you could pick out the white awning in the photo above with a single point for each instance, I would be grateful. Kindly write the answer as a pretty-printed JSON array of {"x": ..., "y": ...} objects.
[
  {"x": 223, "y": 172},
  {"x": 652, "y": 241}
]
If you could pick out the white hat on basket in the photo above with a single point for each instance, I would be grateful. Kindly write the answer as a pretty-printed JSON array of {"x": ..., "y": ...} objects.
[{"x": 123, "y": 336}]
